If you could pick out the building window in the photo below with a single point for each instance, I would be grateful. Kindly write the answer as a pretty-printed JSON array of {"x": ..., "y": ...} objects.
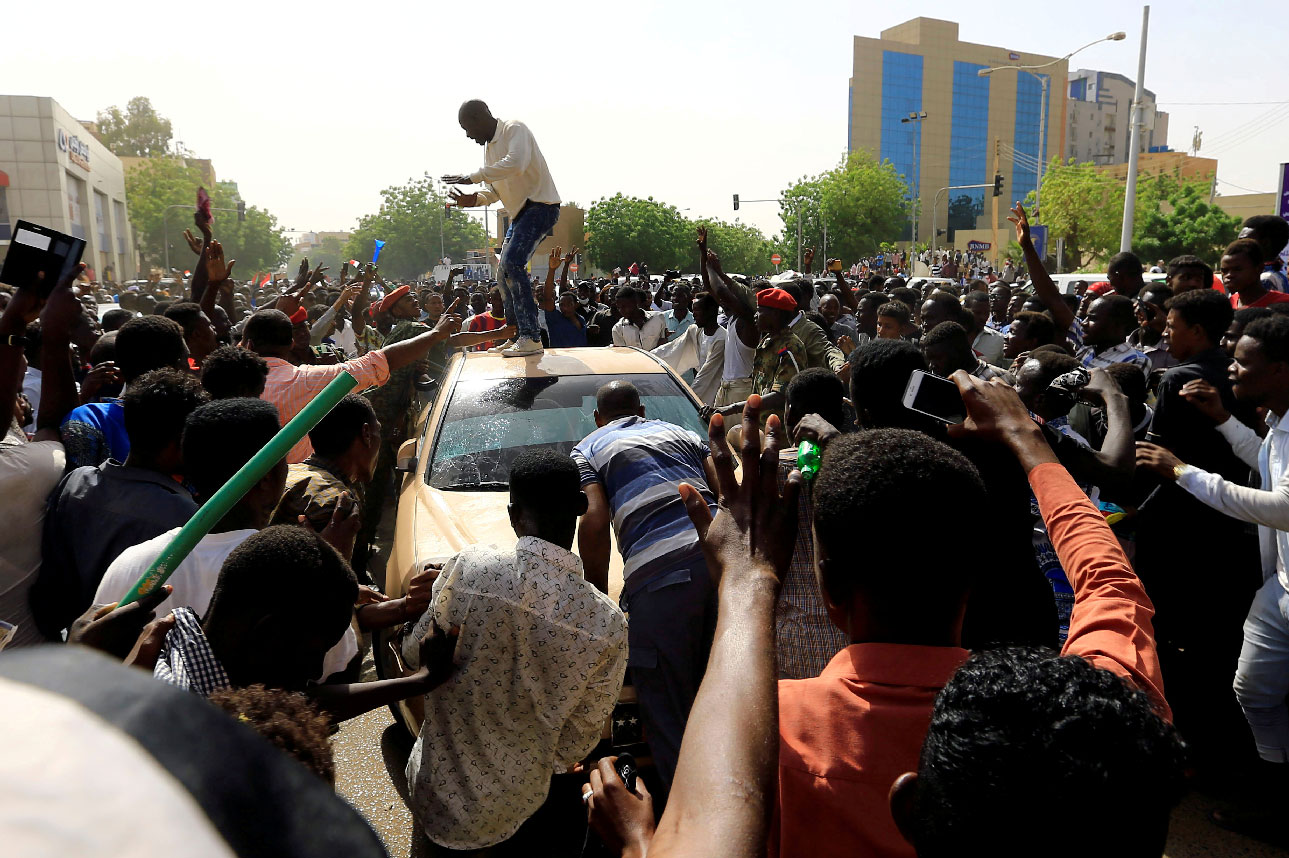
[
  {"x": 901, "y": 95},
  {"x": 118, "y": 217},
  {"x": 100, "y": 220},
  {"x": 968, "y": 147},
  {"x": 75, "y": 217},
  {"x": 1029, "y": 97}
]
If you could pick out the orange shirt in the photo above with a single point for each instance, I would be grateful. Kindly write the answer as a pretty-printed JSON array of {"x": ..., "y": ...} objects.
[{"x": 846, "y": 735}]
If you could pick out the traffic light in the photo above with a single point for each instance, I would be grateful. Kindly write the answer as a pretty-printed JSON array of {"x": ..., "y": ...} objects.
[
  {"x": 241, "y": 211},
  {"x": 998, "y": 184},
  {"x": 736, "y": 202}
]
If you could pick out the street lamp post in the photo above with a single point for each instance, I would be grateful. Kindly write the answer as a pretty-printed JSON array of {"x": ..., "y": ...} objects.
[
  {"x": 916, "y": 118},
  {"x": 1045, "y": 82},
  {"x": 1134, "y": 140}
]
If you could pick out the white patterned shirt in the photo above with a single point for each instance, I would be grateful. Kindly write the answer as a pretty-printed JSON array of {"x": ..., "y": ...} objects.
[
  {"x": 1119, "y": 353},
  {"x": 540, "y": 663}
]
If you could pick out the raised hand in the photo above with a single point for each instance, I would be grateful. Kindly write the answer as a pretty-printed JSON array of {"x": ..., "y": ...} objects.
[
  {"x": 556, "y": 255},
  {"x": 456, "y": 180},
  {"x": 302, "y": 276},
  {"x": 1021, "y": 221},
  {"x": 570, "y": 256},
  {"x": 845, "y": 344},
  {"x": 194, "y": 243},
  {"x": 808, "y": 257},
  {"x": 754, "y": 531},
  {"x": 216, "y": 271},
  {"x": 702, "y": 241},
  {"x": 463, "y": 201},
  {"x": 316, "y": 276},
  {"x": 97, "y": 378},
  {"x": 713, "y": 260}
]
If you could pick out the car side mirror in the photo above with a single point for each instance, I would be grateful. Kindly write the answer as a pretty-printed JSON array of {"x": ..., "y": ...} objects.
[{"x": 406, "y": 461}]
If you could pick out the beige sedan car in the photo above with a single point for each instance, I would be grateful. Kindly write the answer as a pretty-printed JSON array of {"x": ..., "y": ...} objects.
[{"x": 456, "y": 471}]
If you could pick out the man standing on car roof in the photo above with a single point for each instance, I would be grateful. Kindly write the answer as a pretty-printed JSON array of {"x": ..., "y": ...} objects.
[{"x": 516, "y": 174}]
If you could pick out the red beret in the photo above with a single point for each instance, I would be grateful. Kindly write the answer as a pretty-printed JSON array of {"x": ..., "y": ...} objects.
[
  {"x": 299, "y": 316},
  {"x": 387, "y": 303},
  {"x": 779, "y": 299}
]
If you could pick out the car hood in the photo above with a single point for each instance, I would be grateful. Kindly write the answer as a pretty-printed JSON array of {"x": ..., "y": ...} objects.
[{"x": 444, "y": 522}]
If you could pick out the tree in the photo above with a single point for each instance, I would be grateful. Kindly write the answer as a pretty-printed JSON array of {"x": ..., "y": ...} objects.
[
  {"x": 741, "y": 247},
  {"x": 861, "y": 201},
  {"x": 157, "y": 184},
  {"x": 1191, "y": 225},
  {"x": 139, "y": 131},
  {"x": 410, "y": 222},
  {"x": 1085, "y": 207},
  {"x": 621, "y": 230}
]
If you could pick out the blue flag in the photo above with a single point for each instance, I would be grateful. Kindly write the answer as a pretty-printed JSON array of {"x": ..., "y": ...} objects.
[{"x": 376, "y": 255}]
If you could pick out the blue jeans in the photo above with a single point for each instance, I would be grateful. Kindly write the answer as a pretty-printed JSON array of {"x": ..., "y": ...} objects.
[
  {"x": 1262, "y": 679},
  {"x": 525, "y": 233}
]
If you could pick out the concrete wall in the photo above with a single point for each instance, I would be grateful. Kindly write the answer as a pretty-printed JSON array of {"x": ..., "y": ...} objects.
[{"x": 53, "y": 184}]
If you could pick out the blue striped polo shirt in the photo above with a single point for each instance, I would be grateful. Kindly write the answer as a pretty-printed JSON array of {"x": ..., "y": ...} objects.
[{"x": 640, "y": 463}]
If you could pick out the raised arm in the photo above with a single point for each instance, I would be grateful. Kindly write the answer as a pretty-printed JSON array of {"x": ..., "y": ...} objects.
[
  {"x": 548, "y": 286},
  {"x": 1044, "y": 288},
  {"x": 847, "y": 292},
  {"x": 1110, "y": 625},
  {"x": 563, "y": 272},
  {"x": 358, "y": 315},
  {"x": 724, "y": 789},
  {"x": 217, "y": 276}
]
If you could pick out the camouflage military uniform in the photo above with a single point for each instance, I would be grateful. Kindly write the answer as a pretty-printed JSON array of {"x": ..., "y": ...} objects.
[{"x": 778, "y": 358}]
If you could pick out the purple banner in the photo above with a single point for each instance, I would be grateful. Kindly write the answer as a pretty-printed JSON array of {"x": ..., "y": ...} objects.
[{"x": 1282, "y": 204}]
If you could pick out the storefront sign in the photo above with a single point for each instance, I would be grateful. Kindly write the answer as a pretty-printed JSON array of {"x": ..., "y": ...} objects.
[
  {"x": 78, "y": 151},
  {"x": 978, "y": 246},
  {"x": 1282, "y": 203}
]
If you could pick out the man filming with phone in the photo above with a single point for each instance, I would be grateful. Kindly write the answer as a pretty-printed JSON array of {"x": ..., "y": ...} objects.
[{"x": 516, "y": 174}]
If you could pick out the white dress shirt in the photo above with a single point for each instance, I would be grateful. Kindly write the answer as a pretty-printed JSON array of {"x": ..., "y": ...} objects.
[
  {"x": 989, "y": 346},
  {"x": 540, "y": 663},
  {"x": 1267, "y": 507},
  {"x": 648, "y": 336},
  {"x": 516, "y": 172}
]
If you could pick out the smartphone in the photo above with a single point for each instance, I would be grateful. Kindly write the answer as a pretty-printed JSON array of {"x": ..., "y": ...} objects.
[
  {"x": 627, "y": 770},
  {"x": 935, "y": 397},
  {"x": 37, "y": 250},
  {"x": 835, "y": 265}
]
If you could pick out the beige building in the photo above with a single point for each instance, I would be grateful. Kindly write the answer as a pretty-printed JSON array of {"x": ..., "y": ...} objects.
[
  {"x": 54, "y": 173},
  {"x": 569, "y": 232},
  {"x": 1099, "y": 119},
  {"x": 972, "y": 123},
  {"x": 1245, "y": 206}
]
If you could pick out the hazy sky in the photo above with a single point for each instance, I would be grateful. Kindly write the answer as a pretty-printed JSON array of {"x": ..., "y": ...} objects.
[{"x": 314, "y": 108}]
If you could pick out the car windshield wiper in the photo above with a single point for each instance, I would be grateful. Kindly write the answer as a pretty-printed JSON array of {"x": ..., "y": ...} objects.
[{"x": 477, "y": 487}]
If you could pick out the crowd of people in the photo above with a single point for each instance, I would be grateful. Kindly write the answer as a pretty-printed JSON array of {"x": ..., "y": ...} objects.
[{"x": 942, "y": 643}]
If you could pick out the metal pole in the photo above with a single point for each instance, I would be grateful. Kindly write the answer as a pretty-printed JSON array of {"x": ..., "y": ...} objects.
[
  {"x": 799, "y": 264},
  {"x": 1134, "y": 141},
  {"x": 1042, "y": 133}
]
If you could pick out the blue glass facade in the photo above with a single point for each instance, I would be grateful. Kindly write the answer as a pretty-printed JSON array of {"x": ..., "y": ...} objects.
[
  {"x": 1029, "y": 97},
  {"x": 901, "y": 95},
  {"x": 968, "y": 147}
]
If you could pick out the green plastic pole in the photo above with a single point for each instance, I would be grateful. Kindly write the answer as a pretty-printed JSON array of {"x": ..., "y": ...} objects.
[{"x": 218, "y": 505}]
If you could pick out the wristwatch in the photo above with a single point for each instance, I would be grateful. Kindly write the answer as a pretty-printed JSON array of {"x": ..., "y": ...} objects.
[
  {"x": 13, "y": 340},
  {"x": 1179, "y": 470}
]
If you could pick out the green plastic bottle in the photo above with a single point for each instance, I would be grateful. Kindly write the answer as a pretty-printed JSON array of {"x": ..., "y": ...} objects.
[{"x": 808, "y": 458}]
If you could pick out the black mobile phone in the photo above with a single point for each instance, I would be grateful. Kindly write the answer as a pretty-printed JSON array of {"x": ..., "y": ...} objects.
[
  {"x": 935, "y": 397},
  {"x": 627, "y": 770},
  {"x": 39, "y": 257}
]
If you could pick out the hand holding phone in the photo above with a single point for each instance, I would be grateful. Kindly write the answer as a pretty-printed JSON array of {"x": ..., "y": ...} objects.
[
  {"x": 935, "y": 397},
  {"x": 39, "y": 258}
]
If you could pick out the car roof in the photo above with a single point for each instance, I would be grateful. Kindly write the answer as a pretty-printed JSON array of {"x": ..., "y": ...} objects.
[{"x": 556, "y": 362}]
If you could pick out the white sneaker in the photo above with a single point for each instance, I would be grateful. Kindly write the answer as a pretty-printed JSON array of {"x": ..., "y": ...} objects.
[
  {"x": 501, "y": 347},
  {"x": 524, "y": 347}
]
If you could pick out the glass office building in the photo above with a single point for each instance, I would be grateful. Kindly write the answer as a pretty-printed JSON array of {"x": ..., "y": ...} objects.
[{"x": 922, "y": 66}]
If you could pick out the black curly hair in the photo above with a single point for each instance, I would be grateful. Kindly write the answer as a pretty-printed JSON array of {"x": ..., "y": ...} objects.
[
  {"x": 881, "y": 477},
  {"x": 231, "y": 371},
  {"x": 1020, "y": 736},
  {"x": 287, "y": 719},
  {"x": 156, "y": 406}
]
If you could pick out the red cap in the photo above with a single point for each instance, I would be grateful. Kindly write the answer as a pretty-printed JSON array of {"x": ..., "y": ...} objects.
[
  {"x": 299, "y": 316},
  {"x": 387, "y": 303},
  {"x": 779, "y": 299}
]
